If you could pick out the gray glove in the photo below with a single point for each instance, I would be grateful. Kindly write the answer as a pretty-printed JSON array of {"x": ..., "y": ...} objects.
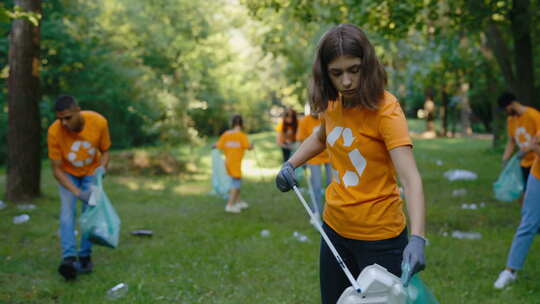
[
  {"x": 413, "y": 258},
  {"x": 84, "y": 195},
  {"x": 286, "y": 179}
]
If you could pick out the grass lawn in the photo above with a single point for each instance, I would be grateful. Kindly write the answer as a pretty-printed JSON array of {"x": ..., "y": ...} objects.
[{"x": 200, "y": 254}]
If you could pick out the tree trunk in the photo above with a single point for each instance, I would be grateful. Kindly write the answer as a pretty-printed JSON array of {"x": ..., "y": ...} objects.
[
  {"x": 499, "y": 48},
  {"x": 23, "y": 137},
  {"x": 466, "y": 111},
  {"x": 444, "y": 115},
  {"x": 523, "y": 56}
]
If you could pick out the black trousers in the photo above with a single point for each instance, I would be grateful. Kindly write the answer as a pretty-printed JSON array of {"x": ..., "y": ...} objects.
[
  {"x": 286, "y": 154},
  {"x": 357, "y": 255},
  {"x": 525, "y": 171}
]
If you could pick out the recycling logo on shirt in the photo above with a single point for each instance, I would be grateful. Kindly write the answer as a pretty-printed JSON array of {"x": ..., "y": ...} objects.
[
  {"x": 350, "y": 178},
  {"x": 522, "y": 137},
  {"x": 82, "y": 153}
]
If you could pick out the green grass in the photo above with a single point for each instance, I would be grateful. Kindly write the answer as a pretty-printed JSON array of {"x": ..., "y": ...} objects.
[{"x": 199, "y": 254}]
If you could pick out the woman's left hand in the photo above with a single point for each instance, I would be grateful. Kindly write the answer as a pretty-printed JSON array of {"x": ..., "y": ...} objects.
[{"x": 413, "y": 255}]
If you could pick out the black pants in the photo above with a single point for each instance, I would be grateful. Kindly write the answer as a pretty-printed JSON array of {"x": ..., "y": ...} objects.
[
  {"x": 357, "y": 255},
  {"x": 286, "y": 154},
  {"x": 525, "y": 171}
]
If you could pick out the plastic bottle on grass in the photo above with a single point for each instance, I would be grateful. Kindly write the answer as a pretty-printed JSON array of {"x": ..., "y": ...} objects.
[
  {"x": 117, "y": 291},
  {"x": 21, "y": 219}
]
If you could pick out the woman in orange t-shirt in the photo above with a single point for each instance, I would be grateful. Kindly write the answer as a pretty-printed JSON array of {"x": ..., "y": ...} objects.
[
  {"x": 365, "y": 133},
  {"x": 286, "y": 132}
]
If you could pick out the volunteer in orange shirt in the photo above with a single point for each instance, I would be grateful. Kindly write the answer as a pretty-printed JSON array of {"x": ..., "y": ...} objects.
[
  {"x": 78, "y": 143},
  {"x": 286, "y": 133},
  {"x": 306, "y": 126},
  {"x": 522, "y": 124},
  {"x": 365, "y": 133},
  {"x": 529, "y": 224},
  {"x": 233, "y": 143}
]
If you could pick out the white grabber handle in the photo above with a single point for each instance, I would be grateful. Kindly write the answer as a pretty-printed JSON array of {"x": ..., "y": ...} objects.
[{"x": 340, "y": 261}]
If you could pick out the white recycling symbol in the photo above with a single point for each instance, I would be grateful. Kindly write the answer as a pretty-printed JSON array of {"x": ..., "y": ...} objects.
[
  {"x": 350, "y": 178},
  {"x": 522, "y": 132},
  {"x": 77, "y": 146}
]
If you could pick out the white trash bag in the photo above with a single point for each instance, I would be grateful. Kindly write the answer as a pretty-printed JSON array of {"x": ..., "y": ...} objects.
[{"x": 378, "y": 286}]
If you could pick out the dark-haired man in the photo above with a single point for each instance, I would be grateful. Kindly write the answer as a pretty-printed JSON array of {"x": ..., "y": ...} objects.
[
  {"x": 522, "y": 124},
  {"x": 78, "y": 143}
]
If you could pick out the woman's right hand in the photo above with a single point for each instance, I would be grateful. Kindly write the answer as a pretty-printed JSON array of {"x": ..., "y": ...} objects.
[{"x": 286, "y": 178}]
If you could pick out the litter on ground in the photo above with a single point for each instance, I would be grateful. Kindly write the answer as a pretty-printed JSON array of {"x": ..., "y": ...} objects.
[
  {"x": 459, "y": 192},
  {"x": 300, "y": 237},
  {"x": 21, "y": 219},
  {"x": 265, "y": 233},
  {"x": 459, "y": 174},
  {"x": 26, "y": 207}
]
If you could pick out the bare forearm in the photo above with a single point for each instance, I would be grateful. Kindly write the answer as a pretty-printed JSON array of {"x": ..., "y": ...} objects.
[
  {"x": 308, "y": 149},
  {"x": 105, "y": 158},
  {"x": 414, "y": 198},
  {"x": 508, "y": 150},
  {"x": 64, "y": 181}
]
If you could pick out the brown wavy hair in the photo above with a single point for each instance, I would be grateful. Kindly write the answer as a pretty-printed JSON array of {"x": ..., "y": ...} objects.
[{"x": 343, "y": 40}]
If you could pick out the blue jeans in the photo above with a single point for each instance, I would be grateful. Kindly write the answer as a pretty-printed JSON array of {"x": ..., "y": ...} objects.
[
  {"x": 528, "y": 227},
  {"x": 316, "y": 182},
  {"x": 68, "y": 214}
]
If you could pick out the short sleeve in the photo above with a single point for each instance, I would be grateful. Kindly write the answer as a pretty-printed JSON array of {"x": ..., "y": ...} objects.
[
  {"x": 279, "y": 127},
  {"x": 301, "y": 134},
  {"x": 221, "y": 142},
  {"x": 105, "y": 140},
  {"x": 393, "y": 126},
  {"x": 53, "y": 145},
  {"x": 245, "y": 141}
]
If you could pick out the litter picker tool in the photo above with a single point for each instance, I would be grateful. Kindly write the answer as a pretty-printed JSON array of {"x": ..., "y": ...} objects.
[{"x": 317, "y": 225}]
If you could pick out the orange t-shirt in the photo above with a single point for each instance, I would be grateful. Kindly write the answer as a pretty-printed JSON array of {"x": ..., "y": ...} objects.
[
  {"x": 521, "y": 128},
  {"x": 233, "y": 143},
  {"x": 535, "y": 170},
  {"x": 363, "y": 200},
  {"x": 80, "y": 152},
  {"x": 288, "y": 136},
  {"x": 306, "y": 126}
]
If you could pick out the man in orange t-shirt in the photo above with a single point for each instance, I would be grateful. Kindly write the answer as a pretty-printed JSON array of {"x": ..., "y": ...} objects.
[
  {"x": 233, "y": 143},
  {"x": 529, "y": 223},
  {"x": 306, "y": 126},
  {"x": 78, "y": 143},
  {"x": 522, "y": 124}
]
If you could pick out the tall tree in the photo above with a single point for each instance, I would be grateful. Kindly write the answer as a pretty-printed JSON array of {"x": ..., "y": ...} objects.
[{"x": 23, "y": 138}]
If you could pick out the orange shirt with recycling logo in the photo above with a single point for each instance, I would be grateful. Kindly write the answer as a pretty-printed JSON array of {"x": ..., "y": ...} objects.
[
  {"x": 535, "y": 170},
  {"x": 233, "y": 143},
  {"x": 306, "y": 126},
  {"x": 80, "y": 152},
  {"x": 363, "y": 200},
  {"x": 521, "y": 128}
]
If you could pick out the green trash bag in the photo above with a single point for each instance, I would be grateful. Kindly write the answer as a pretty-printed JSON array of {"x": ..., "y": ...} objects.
[
  {"x": 509, "y": 185},
  {"x": 221, "y": 182},
  {"x": 418, "y": 293},
  {"x": 99, "y": 222}
]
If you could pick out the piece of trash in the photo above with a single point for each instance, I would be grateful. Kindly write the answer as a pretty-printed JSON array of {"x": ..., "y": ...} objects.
[
  {"x": 439, "y": 162},
  {"x": 117, "y": 291},
  {"x": 2, "y": 205},
  {"x": 26, "y": 207},
  {"x": 265, "y": 233},
  {"x": 21, "y": 219},
  {"x": 459, "y": 192},
  {"x": 466, "y": 235},
  {"x": 458, "y": 174},
  {"x": 142, "y": 232},
  {"x": 482, "y": 205},
  {"x": 300, "y": 237},
  {"x": 469, "y": 206}
]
